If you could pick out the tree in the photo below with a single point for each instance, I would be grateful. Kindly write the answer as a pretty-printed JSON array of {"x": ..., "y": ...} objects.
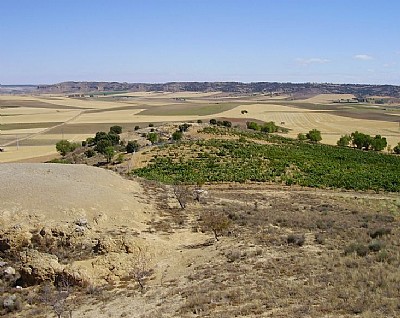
[
  {"x": 269, "y": 127},
  {"x": 109, "y": 153},
  {"x": 137, "y": 127},
  {"x": 152, "y": 137},
  {"x": 344, "y": 141},
  {"x": 301, "y": 137},
  {"x": 396, "y": 149},
  {"x": 227, "y": 123},
  {"x": 116, "y": 130},
  {"x": 113, "y": 138},
  {"x": 360, "y": 140},
  {"x": 177, "y": 135},
  {"x": 132, "y": 146},
  {"x": 101, "y": 145},
  {"x": 100, "y": 135},
  {"x": 244, "y": 112},
  {"x": 141, "y": 268},
  {"x": 64, "y": 146},
  {"x": 252, "y": 125},
  {"x": 314, "y": 135},
  {"x": 217, "y": 222},
  {"x": 182, "y": 194},
  {"x": 184, "y": 127},
  {"x": 213, "y": 121},
  {"x": 378, "y": 143}
]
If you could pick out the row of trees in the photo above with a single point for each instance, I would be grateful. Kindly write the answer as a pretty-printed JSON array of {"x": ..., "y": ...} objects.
[{"x": 363, "y": 141}]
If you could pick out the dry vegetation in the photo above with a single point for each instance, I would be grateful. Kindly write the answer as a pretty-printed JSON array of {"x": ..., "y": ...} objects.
[{"x": 281, "y": 252}]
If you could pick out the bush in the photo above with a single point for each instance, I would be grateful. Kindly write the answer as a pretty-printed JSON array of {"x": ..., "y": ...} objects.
[
  {"x": 184, "y": 127},
  {"x": 396, "y": 149},
  {"x": 199, "y": 121},
  {"x": 344, "y": 141},
  {"x": 301, "y": 137},
  {"x": 132, "y": 146},
  {"x": 227, "y": 123},
  {"x": 358, "y": 248},
  {"x": 152, "y": 137},
  {"x": 177, "y": 135},
  {"x": 380, "y": 232},
  {"x": 151, "y": 125},
  {"x": 64, "y": 146},
  {"x": 213, "y": 121},
  {"x": 90, "y": 153},
  {"x": 252, "y": 125},
  {"x": 269, "y": 127},
  {"x": 116, "y": 130},
  {"x": 314, "y": 135},
  {"x": 137, "y": 127},
  {"x": 296, "y": 239},
  {"x": 375, "y": 246}
]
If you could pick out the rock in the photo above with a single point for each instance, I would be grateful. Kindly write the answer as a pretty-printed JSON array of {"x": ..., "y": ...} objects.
[
  {"x": 82, "y": 222},
  {"x": 38, "y": 267},
  {"x": 9, "y": 271},
  {"x": 9, "y": 302}
]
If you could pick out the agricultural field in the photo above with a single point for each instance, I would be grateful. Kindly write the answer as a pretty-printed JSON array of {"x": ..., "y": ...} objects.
[{"x": 30, "y": 125}]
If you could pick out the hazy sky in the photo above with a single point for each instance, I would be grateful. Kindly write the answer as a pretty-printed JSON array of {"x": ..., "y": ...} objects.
[{"x": 340, "y": 41}]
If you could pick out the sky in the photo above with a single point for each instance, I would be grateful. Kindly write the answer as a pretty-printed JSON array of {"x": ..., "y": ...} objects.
[{"x": 156, "y": 41}]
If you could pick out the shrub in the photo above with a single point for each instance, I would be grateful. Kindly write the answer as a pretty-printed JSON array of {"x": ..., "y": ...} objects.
[
  {"x": 90, "y": 153},
  {"x": 269, "y": 127},
  {"x": 177, "y": 135},
  {"x": 344, "y": 141},
  {"x": 314, "y": 135},
  {"x": 64, "y": 146},
  {"x": 296, "y": 239},
  {"x": 379, "y": 232},
  {"x": 375, "y": 246},
  {"x": 217, "y": 222},
  {"x": 396, "y": 149},
  {"x": 151, "y": 125},
  {"x": 116, "y": 130},
  {"x": 137, "y": 127},
  {"x": 227, "y": 123},
  {"x": 358, "y": 248},
  {"x": 184, "y": 127},
  {"x": 199, "y": 121},
  {"x": 132, "y": 146},
  {"x": 301, "y": 137},
  {"x": 152, "y": 137},
  {"x": 213, "y": 121},
  {"x": 252, "y": 125}
]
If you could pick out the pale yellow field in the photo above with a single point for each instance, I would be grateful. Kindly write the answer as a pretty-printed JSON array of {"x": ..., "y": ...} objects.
[
  {"x": 298, "y": 120},
  {"x": 327, "y": 98}
]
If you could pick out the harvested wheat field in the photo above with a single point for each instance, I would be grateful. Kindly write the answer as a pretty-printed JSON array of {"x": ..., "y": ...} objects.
[{"x": 39, "y": 121}]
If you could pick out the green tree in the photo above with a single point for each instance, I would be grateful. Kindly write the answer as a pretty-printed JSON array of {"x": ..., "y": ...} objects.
[
  {"x": 213, "y": 121},
  {"x": 109, "y": 153},
  {"x": 396, "y": 149},
  {"x": 152, "y": 137},
  {"x": 227, "y": 123},
  {"x": 252, "y": 125},
  {"x": 100, "y": 135},
  {"x": 301, "y": 137},
  {"x": 184, "y": 127},
  {"x": 113, "y": 138},
  {"x": 177, "y": 135},
  {"x": 360, "y": 140},
  {"x": 344, "y": 141},
  {"x": 102, "y": 145},
  {"x": 116, "y": 130},
  {"x": 64, "y": 146},
  {"x": 314, "y": 135},
  {"x": 378, "y": 143},
  {"x": 269, "y": 127},
  {"x": 132, "y": 146}
]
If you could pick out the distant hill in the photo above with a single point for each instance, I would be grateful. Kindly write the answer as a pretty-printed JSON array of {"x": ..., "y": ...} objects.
[{"x": 295, "y": 89}]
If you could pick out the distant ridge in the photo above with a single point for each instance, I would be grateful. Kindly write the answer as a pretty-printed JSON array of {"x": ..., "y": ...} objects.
[{"x": 359, "y": 90}]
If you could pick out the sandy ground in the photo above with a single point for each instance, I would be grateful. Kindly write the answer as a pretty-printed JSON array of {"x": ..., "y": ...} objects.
[{"x": 63, "y": 193}]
